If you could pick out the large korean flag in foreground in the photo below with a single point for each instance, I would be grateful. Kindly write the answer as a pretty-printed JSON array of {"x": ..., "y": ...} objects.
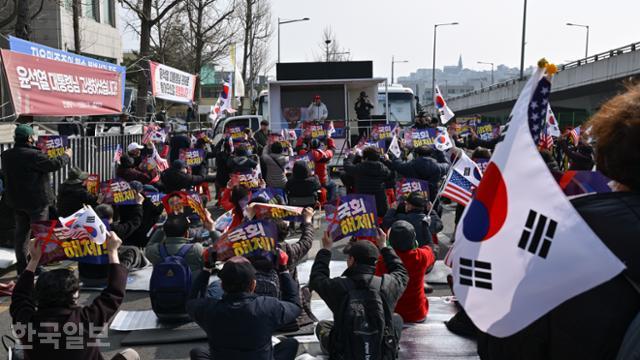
[{"x": 521, "y": 248}]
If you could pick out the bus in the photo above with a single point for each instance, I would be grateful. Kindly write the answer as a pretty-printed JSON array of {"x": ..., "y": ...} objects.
[
  {"x": 262, "y": 104},
  {"x": 402, "y": 106}
]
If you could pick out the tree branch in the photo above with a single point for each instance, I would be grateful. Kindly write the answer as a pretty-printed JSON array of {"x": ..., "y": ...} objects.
[
  {"x": 164, "y": 12},
  {"x": 11, "y": 17},
  {"x": 39, "y": 10},
  {"x": 218, "y": 21}
]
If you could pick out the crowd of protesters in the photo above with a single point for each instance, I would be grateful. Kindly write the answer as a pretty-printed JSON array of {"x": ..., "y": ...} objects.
[{"x": 253, "y": 297}]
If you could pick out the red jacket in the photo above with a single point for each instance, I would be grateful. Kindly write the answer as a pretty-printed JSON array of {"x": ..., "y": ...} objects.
[
  {"x": 320, "y": 159},
  {"x": 413, "y": 305}
]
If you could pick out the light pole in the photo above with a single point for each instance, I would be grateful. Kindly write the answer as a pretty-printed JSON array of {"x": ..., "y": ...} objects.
[
  {"x": 433, "y": 70},
  {"x": 393, "y": 62},
  {"x": 280, "y": 22},
  {"x": 524, "y": 30},
  {"x": 586, "y": 49},
  {"x": 488, "y": 63}
]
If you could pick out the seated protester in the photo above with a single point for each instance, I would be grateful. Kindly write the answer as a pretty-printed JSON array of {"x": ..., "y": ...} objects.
[
  {"x": 128, "y": 171},
  {"x": 177, "y": 178},
  {"x": 95, "y": 275},
  {"x": 593, "y": 324},
  {"x": 176, "y": 231},
  {"x": 51, "y": 306},
  {"x": 413, "y": 211},
  {"x": 580, "y": 156},
  {"x": 241, "y": 160},
  {"x": 275, "y": 162},
  {"x": 413, "y": 305},
  {"x": 302, "y": 184},
  {"x": 428, "y": 164},
  {"x": 73, "y": 194},
  {"x": 370, "y": 176},
  {"x": 294, "y": 252},
  {"x": 320, "y": 160},
  {"x": 240, "y": 325},
  {"x": 150, "y": 215},
  {"x": 339, "y": 340}
]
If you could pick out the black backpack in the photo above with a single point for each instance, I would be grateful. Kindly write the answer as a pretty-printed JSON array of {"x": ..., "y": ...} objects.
[{"x": 366, "y": 329}]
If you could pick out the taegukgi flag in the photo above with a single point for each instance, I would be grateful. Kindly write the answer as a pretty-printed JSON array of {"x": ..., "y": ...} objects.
[
  {"x": 521, "y": 248},
  {"x": 443, "y": 110},
  {"x": 552, "y": 123}
]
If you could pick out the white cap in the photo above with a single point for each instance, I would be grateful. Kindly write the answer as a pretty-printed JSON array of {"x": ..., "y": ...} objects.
[{"x": 134, "y": 146}]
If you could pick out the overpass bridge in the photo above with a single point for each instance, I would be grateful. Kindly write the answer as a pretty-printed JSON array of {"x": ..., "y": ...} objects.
[{"x": 579, "y": 87}]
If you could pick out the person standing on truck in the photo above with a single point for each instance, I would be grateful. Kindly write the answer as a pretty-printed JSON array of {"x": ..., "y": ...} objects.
[
  {"x": 317, "y": 111},
  {"x": 363, "y": 107}
]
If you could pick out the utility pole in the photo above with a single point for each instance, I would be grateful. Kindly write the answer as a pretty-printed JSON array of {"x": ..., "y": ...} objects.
[{"x": 524, "y": 30}]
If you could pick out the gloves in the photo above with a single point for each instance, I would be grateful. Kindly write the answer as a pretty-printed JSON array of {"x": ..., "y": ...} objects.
[{"x": 282, "y": 260}]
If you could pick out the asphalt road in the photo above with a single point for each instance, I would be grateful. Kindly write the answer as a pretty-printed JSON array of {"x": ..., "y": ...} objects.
[{"x": 140, "y": 301}]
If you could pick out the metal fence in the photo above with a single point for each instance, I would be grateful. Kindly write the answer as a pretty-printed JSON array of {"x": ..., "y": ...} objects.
[{"x": 91, "y": 154}]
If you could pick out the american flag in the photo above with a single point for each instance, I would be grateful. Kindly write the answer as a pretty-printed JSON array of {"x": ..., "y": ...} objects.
[
  {"x": 117, "y": 155},
  {"x": 537, "y": 111},
  {"x": 575, "y": 135},
  {"x": 546, "y": 140},
  {"x": 458, "y": 188}
]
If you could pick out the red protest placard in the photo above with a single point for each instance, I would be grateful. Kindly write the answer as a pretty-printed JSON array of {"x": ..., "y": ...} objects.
[{"x": 43, "y": 87}]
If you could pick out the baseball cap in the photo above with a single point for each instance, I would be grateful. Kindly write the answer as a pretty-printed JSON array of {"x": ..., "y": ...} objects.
[
  {"x": 317, "y": 97},
  {"x": 364, "y": 252},
  {"x": 24, "y": 131},
  {"x": 134, "y": 146},
  {"x": 417, "y": 199},
  {"x": 402, "y": 236},
  {"x": 236, "y": 276}
]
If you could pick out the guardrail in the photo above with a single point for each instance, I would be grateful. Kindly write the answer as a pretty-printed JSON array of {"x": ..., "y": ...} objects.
[
  {"x": 574, "y": 64},
  {"x": 91, "y": 154}
]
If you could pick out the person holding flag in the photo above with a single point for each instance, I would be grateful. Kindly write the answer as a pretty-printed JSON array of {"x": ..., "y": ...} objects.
[
  {"x": 428, "y": 164},
  {"x": 520, "y": 234}
]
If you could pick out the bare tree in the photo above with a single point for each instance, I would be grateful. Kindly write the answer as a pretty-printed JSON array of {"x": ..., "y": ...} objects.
[
  {"x": 143, "y": 10},
  {"x": 331, "y": 51},
  {"x": 75, "y": 14},
  {"x": 256, "y": 22},
  {"x": 210, "y": 31},
  {"x": 23, "y": 17}
]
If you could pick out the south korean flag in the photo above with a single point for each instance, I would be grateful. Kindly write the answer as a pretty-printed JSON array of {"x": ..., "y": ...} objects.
[{"x": 521, "y": 248}]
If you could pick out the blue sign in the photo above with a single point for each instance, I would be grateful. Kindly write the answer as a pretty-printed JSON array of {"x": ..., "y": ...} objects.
[{"x": 34, "y": 49}]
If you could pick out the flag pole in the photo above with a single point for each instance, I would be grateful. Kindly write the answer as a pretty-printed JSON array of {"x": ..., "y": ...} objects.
[{"x": 444, "y": 183}]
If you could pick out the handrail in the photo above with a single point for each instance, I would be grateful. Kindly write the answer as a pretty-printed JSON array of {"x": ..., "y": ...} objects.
[{"x": 574, "y": 64}]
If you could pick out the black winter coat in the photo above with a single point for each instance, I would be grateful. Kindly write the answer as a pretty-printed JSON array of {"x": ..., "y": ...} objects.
[
  {"x": 176, "y": 180},
  {"x": 419, "y": 221},
  {"x": 333, "y": 291},
  {"x": 423, "y": 168},
  {"x": 250, "y": 320},
  {"x": 177, "y": 143},
  {"x": 71, "y": 197},
  {"x": 241, "y": 163},
  {"x": 150, "y": 215},
  {"x": 370, "y": 177},
  {"x": 592, "y": 324},
  {"x": 27, "y": 182}
]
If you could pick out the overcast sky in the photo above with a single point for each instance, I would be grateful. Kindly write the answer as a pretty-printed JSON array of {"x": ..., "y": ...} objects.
[{"x": 489, "y": 30}]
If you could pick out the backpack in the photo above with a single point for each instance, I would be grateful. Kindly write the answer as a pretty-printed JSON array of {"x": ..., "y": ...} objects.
[
  {"x": 366, "y": 328},
  {"x": 170, "y": 284}
]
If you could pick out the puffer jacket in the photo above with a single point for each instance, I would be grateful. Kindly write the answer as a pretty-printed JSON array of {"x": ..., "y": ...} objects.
[
  {"x": 27, "y": 181},
  {"x": 423, "y": 168},
  {"x": 275, "y": 164},
  {"x": 370, "y": 177}
]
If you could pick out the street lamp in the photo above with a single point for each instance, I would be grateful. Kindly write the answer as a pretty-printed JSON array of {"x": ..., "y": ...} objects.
[
  {"x": 488, "y": 63},
  {"x": 586, "y": 49},
  {"x": 280, "y": 22},
  {"x": 393, "y": 62},
  {"x": 433, "y": 69}
]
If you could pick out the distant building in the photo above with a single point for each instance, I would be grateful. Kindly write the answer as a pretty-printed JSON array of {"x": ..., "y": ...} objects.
[
  {"x": 454, "y": 80},
  {"x": 99, "y": 33}
]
